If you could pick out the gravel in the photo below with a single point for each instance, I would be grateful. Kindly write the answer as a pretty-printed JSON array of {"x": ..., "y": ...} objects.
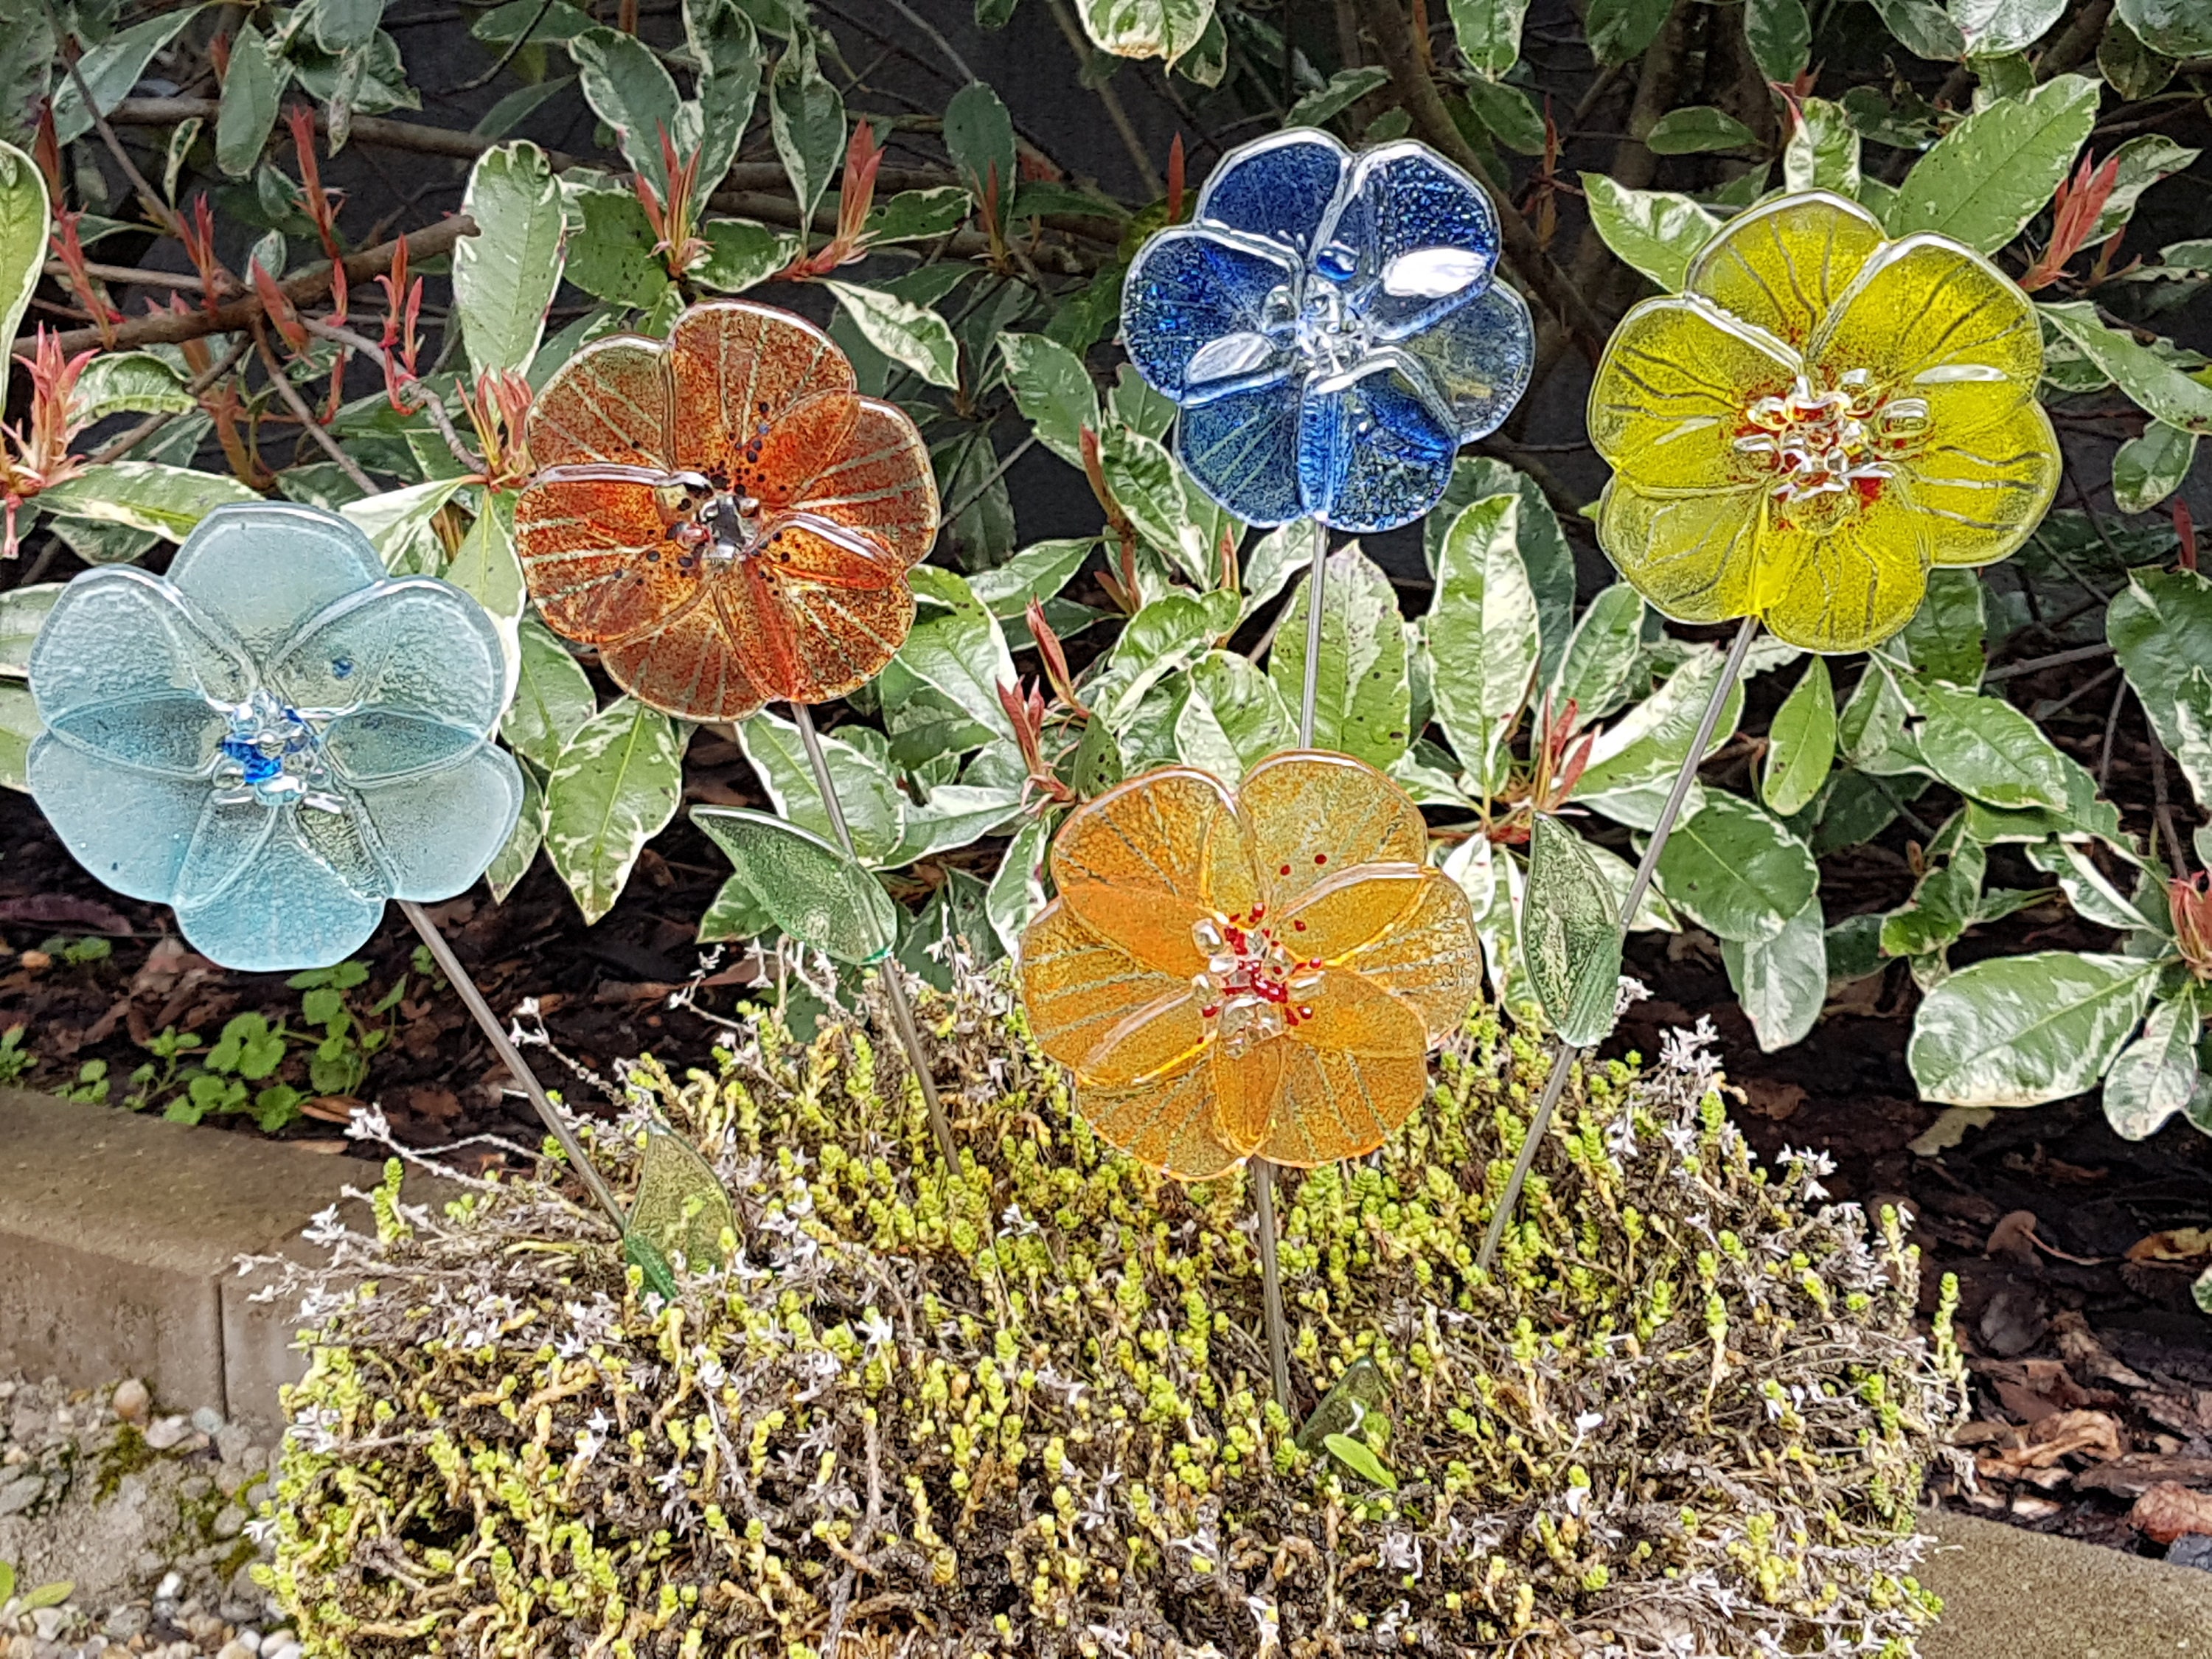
[{"x": 131, "y": 1529}]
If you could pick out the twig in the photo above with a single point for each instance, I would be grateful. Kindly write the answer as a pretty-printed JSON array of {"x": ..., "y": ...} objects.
[
  {"x": 2162, "y": 802},
  {"x": 2112, "y": 730},
  {"x": 952, "y": 512},
  {"x": 298, "y": 405},
  {"x": 507, "y": 57},
  {"x": 2055, "y": 659},
  {"x": 1108, "y": 100},
  {"x": 156, "y": 209},
  {"x": 432, "y": 404}
]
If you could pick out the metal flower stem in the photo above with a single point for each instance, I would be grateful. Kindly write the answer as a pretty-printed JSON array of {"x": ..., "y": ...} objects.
[
  {"x": 1263, "y": 1172},
  {"x": 894, "y": 988},
  {"x": 503, "y": 1045},
  {"x": 1564, "y": 1055}
]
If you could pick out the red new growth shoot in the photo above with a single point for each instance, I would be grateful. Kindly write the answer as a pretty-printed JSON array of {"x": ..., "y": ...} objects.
[
  {"x": 38, "y": 455},
  {"x": 2076, "y": 209},
  {"x": 856, "y": 196},
  {"x": 402, "y": 307},
  {"x": 671, "y": 221},
  {"x": 1174, "y": 180}
]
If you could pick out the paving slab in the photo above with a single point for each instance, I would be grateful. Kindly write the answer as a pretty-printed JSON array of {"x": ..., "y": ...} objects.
[
  {"x": 120, "y": 1234},
  {"x": 2011, "y": 1593}
]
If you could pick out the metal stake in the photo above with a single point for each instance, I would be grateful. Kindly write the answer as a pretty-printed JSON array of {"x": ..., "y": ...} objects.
[
  {"x": 1563, "y": 1055},
  {"x": 894, "y": 988}
]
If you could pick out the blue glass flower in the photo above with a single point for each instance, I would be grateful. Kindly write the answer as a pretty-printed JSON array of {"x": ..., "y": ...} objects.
[
  {"x": 275, "y": 738},
  {"x": 1331, "y": 329}
]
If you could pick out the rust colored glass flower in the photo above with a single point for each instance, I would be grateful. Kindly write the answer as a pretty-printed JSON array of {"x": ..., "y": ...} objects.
[
  {"x": 1257, "y": 974},
  {"x": 723, "y": 515}
]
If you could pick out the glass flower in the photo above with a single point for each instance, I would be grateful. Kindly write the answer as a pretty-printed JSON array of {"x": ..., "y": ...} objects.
[
  {"x": 1330, "y": 328},
  {"x": 275, "y": 737},
  {"x": 1822, "y": 416},
  {"x": 723, "y": 515},
  {"x": 1263, "y": 973}
]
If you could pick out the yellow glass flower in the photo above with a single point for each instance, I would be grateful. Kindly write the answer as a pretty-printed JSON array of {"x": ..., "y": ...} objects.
[
  {"x": 1257, "y": 972},
  {"x": 1819, "y": 418}
]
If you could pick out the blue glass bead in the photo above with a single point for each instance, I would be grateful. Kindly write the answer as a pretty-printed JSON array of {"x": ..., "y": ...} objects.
[
  {"x": 1320, "y": 306},
  {"x": 275, "y": 738}
]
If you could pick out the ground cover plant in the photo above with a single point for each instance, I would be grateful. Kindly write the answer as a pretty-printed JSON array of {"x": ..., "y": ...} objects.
[{"x": 169, "y": 214}]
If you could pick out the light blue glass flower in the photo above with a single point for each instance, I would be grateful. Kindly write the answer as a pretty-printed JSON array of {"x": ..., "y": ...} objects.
[
  {"x": 1330, "y": 327},
  {"x": 275, "y": 738}
]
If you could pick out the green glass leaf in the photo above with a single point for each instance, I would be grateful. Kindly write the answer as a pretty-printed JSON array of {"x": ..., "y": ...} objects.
[
  {"x": 1571, "y": 934},
  {"x": 812, "y": 890},
  {"x": 641, "y": 1254},
  {"x": 1357, "y": 1395},
  {"x": 680, "y": 1209}
]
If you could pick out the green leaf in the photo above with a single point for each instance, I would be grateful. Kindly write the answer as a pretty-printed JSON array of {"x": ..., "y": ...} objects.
[
  {"x": 2160, "y": 628},
  {"x": 1655, "y": 231},
  {"x": 2160, "y": 388},
  {"x": 1802, "y": 742},
  {"x": 615, "y": 786},
  {"x": 611, "y": 256},
  {"x": 1570, "y": 934},
  {"x": 1363, "y": 700},
  {"x": 1038, "y": 572},
  {"x": 723, "y": 40},
  {"x": 2156, "y": 1075},
  {"x": 513, "y": 860},
  {"x": 1358, "y": 1456},
  {"x": 504, "y": 276},
  {"x": 1017, "y": 890},
  {"x": 2179, "y": 28},
  {"x": 250, "y": 92},
  {"x": 918, "y": 215},
  {"x": 1945, "y": 902},
  {"x": 959, "y": 651},
  {"x": 1944, "y": 638},
  {"x": 1993, "y": 28},
  {"x": 2088, "y": 889},
  {"x": 133, "y": 382},
  {"x": 1150, "y": 487},
  {"x": 342, "y": 25},
  {"x": 979, "y": 136},
  {"x": 806, "y": 117},
  {"x": 1231, "y": 716},
  {"x": 741, "y": 254},
  {"x": 1924, "y": 28},
  {"x": 2142, "y": 161},
  {"x": 24, "y": 223},
  {"x": 1782, "y": 981},
  {"x": 1698, "y": 127},
  {"x": 1346, "y": 88},
  {"x": 1634, "y": 761},
  {"x": 49, "y": 1595},
  {"x": 22, "y": 613},
  {"x": 2083, "y": 815},
  {"x": 873, "y": 808},
  {"x": 110, "y": 70},
  {"x": 1985, "y": 748},
  {"x": 2130, "y": 68},
  {"x": 627, "y": 89},
  {"x": 1482, "y": 631},
  {"x": 485, "y": 567},
  {"x": 1780, "y": 36},
  {"x": 1823, "y": 149},
  {"x": 1053, "y": 391},
  {"x": 1489, "y": 34},
  {"x": 1167, "y": 635},
  {"x": 912, "y": 336},
  {"x": 1619, "y": 29},
  {"x": 2021, "y": 1031},
  {"x": 1600, "y": 658},
  {"x": 553, "y": 697},
  {"x": 1146, "y": 28},
  {"x": 1997, "y": 169},
  {"x": 807, "y": 886},
  {"x": 398, "y": 523},
  {"x": 1507, "y": 112},
  {"x": 19, "y": 725},
  {"x": 2149, "y": 469},
  {"x": 1736, "y": 870},
  {"x": 169, "y": 501},
  {"x": 955, "y": 815}
]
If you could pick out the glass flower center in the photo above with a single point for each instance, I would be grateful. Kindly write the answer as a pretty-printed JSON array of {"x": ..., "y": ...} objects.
[
  {"x": 1318, "y": 317},
  {"x": 1250, "y": 987},
  {"x": 1842, "y": 438},
  {"x": 271, "y": 754}
]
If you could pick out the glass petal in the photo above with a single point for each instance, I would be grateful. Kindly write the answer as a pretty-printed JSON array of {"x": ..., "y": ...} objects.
[
  {"x": 1352, "y": 1071},
  {"x": 1849, "y": 581},
  {"x": 600, "y": 559},
  {"x": 1151, "y": 858},
  {"x": 1672, "y": 389},
  {"x": 1480, "y": 358},
  {"x": 608, "y": 403},
  {"x": 1428, "y": 957},
  {"x": 746, "y": 381},
  {"x": 1243, "y": 450},
  {"x": 125, "y": 668},
  {"x": 1082, "y": 989},
  {"x": 277, "y": 889},
  {"x": 1417, "y": 237},
  {"x": 1169, "y": 1124},
  {"x": 689, "y": 665},
  {"x": 1281, "y": 187},
  {"x": 1984, "y": 493},
  {"x": 130, "y": 830},
  {"x": 1779, "y": 266},
  {"x": 1694, "y": 556},
  {"x": 1928, "y": 319},
  {"x": 413, "y": 668},
  {"x": 829, "y": 607},
  {"x": 257, "y": 568},
  {"x": 879, "y": 482},
  {"x": 436, "y": 832},
  {"x": 1189, "y": 286},
  {"x": 1311, "y": 816},
  {"x": 1374, "y": 451}
]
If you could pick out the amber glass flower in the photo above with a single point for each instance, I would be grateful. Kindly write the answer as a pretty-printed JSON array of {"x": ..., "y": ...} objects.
[
  {"x": 1819, "y": 418},
  {"x": 1261, "y": 973},
  {"x": 723, "y": 515}
]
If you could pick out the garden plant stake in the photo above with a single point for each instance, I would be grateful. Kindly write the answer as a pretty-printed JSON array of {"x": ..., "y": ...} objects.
[
  {"x": 1820, "y": 417},
  {"x": 1252, "y": 975},
  {"x": 730, "y": 523},
  {"x": 1331, "y": 331},
  {"x": 276, "y": 737}
]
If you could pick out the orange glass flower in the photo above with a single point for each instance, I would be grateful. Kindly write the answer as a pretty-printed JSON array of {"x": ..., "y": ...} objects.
[
  {"x": 1257, "y": 972},
  {"x": 723, "y": 515}
]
